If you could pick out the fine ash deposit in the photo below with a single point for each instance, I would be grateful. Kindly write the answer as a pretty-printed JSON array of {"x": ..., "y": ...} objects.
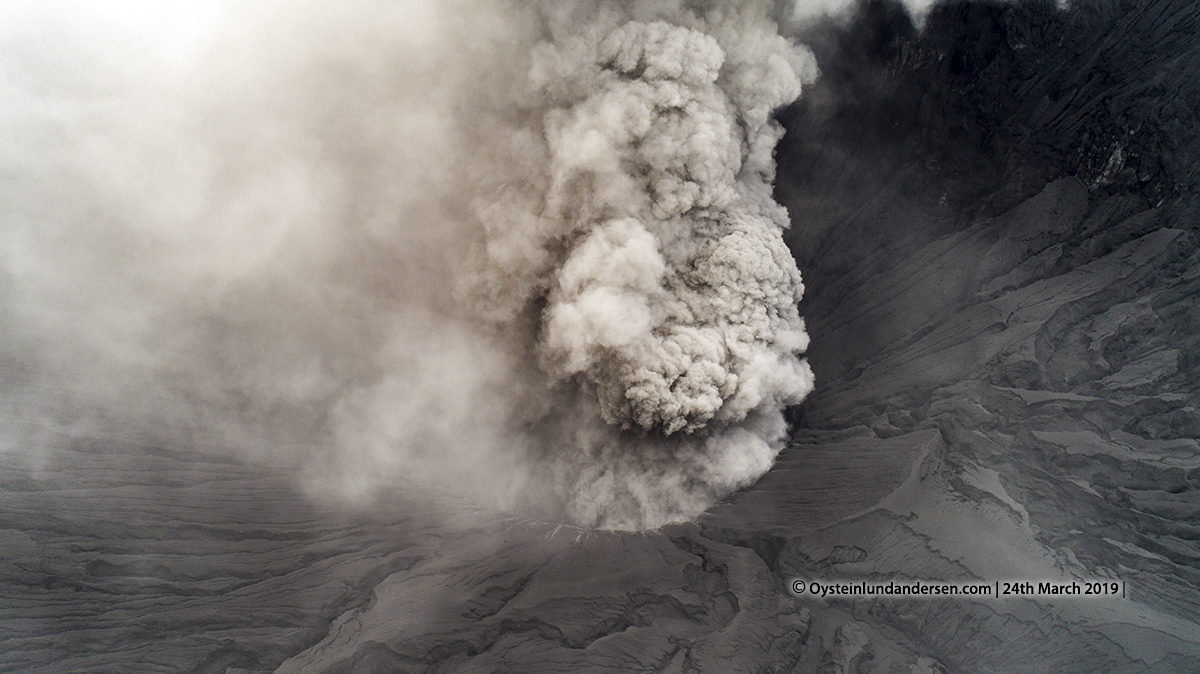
[{"x": 468, "y": 336}]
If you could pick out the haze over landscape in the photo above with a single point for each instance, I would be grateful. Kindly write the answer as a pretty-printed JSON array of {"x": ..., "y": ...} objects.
[{"x": 472, "y": 336}]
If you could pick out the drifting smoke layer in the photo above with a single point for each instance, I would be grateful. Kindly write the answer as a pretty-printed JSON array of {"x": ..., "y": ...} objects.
[{"x": 529, "y": 250}]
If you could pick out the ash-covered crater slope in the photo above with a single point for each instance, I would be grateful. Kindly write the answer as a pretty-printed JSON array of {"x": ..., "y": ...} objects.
[{"x": 998, "y": 219}]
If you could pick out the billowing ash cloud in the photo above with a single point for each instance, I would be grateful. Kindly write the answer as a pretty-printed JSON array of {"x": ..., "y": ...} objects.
[{"x": 525, "y": 249}]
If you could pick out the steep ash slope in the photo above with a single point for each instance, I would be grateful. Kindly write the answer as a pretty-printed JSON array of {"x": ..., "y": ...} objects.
[{"x": 1003, "y": 264}]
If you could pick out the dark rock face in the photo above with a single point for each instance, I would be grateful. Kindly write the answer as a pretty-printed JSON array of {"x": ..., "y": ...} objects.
[{"x": 997, "y": 221}]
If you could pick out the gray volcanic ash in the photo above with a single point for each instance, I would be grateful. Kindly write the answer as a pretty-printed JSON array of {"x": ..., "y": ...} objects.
[{"x": 529, "y": 249}]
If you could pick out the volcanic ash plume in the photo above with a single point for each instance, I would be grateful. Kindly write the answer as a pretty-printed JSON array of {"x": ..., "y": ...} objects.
[
  {"x": 653, "y": 260},
  {"x": 525, "y": 249}
]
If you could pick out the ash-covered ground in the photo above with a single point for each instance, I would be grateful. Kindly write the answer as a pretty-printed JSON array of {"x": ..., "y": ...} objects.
[{"x": 995, "y": 212}]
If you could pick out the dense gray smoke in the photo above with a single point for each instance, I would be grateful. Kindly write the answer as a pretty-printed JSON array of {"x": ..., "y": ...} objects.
[{"x": 528, "y": 250}]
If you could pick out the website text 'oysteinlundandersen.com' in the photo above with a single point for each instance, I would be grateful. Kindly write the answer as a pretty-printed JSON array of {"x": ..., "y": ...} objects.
[{"x": 925, "y": 588}]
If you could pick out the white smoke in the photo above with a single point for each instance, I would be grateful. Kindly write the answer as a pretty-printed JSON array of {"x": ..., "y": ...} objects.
[
  {"x": 802, "y": 13},
  {"x": 528, "y": 249}
]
